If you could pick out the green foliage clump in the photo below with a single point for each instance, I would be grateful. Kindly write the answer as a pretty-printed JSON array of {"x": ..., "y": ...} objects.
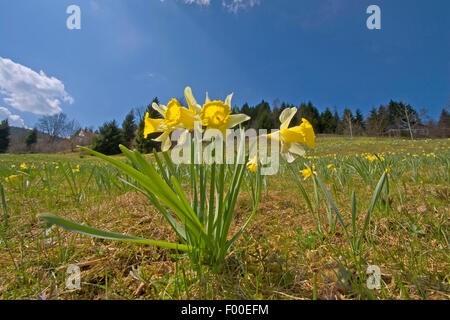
[
  {"x": 31, "y": 138},
  {"x": 129, "y": 129},
  {"x": 4, "y": 136},
  {"x": 109, "y": 138}
]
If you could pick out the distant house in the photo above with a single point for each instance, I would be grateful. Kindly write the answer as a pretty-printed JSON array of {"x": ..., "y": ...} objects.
[
  {"x": 84, "y": 137},
  {"x": 418, "y": 130}
]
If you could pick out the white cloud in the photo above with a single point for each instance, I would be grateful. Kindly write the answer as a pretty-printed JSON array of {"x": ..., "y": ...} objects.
[
  {"x": 14, "y": 120},
  {"x": 29, "y": 91},
  {"x": 235, "y": 5},
  {"x": 231, "y": 5},
  {"x": 199, "y": 2}
]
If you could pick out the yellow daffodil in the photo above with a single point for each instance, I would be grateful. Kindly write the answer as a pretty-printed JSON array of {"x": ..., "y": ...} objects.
[
  {"x": 293, "y": 139},
  {"x": 371, "y": 158},
  {"x": 387, "y": 170},
  {"x": 11, "y": 178},
  {"x": 23, "y": 166},
  {"x": 252, "y": 164},
  {"x": 174, "y": 116},
  {"x": 217, "y": 115},
  {"x": 308, "y": 172},
  {"x": 330, "y": 166}
]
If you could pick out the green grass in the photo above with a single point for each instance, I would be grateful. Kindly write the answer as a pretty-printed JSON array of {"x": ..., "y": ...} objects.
[{"x": 288, "y": 250}]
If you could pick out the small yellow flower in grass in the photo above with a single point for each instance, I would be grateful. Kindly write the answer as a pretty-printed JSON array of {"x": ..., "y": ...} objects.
[
  {"x": 387, "y": 170},
  {"x": 371, "y": 158},
  {"x": 11, "y": 178},
  {"x": 308, "y": 172},
  {"x": 23, "y": 166},
  {"x": 330, "y": 166},
  {"x": 252, "y": 164}
]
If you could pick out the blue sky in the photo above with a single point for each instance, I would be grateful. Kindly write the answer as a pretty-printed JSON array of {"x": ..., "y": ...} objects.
[{"x": 127, "y": 52}]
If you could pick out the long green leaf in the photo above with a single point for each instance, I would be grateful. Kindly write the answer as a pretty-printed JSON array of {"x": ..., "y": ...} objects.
[
  {"x": 331, "y": 202},
  {"x": 101, "y": 234},
  {"x": 375, "y": 197}
]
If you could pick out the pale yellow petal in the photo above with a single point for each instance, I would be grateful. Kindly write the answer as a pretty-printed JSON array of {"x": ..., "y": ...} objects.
[
  {"x": 289, "y": 157},
  {"x": 228, "y": 99},
  {"x": 192, "y": 103},
  {"x": 236, "y": 119},
  {"x": 297, "y": 149},
  {"x": 286, "y": 117},
  {"x": 166, "y": 144},
  {"x": 160, "y": 108}
]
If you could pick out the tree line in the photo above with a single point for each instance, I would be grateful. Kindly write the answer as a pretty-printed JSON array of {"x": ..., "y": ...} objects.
[{"x": 392, "y": 119}]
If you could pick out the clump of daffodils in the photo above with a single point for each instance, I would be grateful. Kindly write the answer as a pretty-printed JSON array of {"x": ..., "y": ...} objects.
[
  {"x": 212, "y": 115},
  {"x": 218, "y": 115}
]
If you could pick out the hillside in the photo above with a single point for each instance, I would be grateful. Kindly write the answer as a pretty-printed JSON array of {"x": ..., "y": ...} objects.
[{"x": 18, "y": 136}]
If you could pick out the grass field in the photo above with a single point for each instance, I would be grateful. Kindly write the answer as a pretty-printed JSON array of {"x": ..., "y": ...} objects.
[{"x": 289, "y": 251}]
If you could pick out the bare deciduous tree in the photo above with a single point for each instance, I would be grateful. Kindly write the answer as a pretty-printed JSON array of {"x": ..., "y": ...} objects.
[{"x": 57, "y": 126}]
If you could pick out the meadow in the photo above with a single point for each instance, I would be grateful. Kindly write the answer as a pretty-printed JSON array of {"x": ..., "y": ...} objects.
[{"x": 294, "y": 248}]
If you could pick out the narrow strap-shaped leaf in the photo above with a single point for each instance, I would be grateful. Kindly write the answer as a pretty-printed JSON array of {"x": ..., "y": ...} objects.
[
  {"x": 255, "y": 208},
  {"x": 170, "y": 166},
  {"x": 173, "y": 223},
  {"x": 101, "y": 234},
  {"x": 231, "y": 204},
  {"x": 152, "y": 183},
  {"x": 193, "y": 217},
  {"x": 210, "y": 222},
  {"x": 353, "y": 214},
  {"x": 375, "y": 197},
  {"x": 160, "y": 165},
  {"x": 185, "y": 214},
  {"x": 5, "y": 212},
  {"x": 331, "y": 202},
  {"x": 302, "y": 190}
]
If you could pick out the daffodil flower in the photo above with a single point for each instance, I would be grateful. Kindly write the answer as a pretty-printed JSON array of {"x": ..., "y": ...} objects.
[
  {"x": 11, "y": 178},
  {"x": 217, "y": 115},
  {"x": 175, "y": 117},
  {"x": 308, "y": 172},
  {"x": 252, "y": 164},
  {"x": 293, "y": 139}
]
